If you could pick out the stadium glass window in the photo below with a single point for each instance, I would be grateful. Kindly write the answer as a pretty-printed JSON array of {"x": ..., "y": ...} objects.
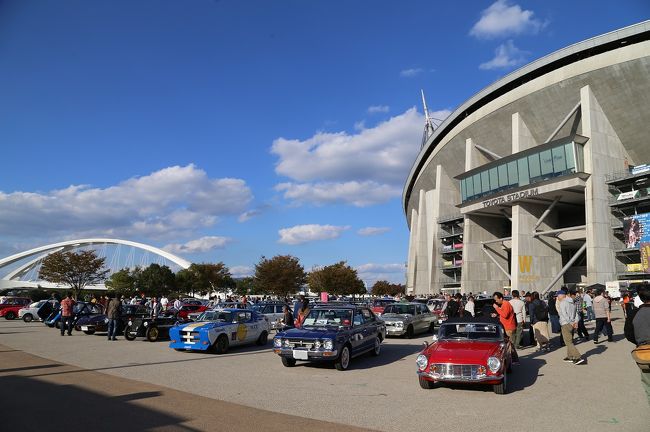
[
  {"x": 477, "y": 184},
  {"x": 570, "y": 159},
  {"x": 463, "y": 193},
  {"x": 522, "y": 168},
  {"x": 534, "y": 167},
  {"x": 546, "y": 163},
  {"x": 494, "y": 179},
  {"x": 485, "y": 181},
  {"x": 513, "y": 179},
  {"x": 469, "y": 187},
  {"x": 559, "y": 160},
  {"x": 503, "y": 176}
]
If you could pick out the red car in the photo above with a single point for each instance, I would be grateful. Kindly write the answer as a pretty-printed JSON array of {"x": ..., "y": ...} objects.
[
  {"x": 187, "y": 309},
  {"x": 379, "y": 305},
  {"x": 10, "y": 306},
  {"x": 467, "y": 350}
]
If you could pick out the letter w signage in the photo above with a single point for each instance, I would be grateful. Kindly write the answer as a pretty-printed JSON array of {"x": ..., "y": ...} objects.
[{"x": 525, "y": 263}]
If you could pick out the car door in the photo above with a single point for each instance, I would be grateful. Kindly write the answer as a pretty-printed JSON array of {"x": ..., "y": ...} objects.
[
  {"x": 371, "y": 328},
  {"x": 427, "y": 317},
  {"x": 360, "y": 333}
]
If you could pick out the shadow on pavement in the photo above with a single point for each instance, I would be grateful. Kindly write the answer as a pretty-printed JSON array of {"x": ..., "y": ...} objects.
[
  {"x": 83, "y": 407},
  {"x": 27, "y": 368},
  {"x": 525, "y": 374}
]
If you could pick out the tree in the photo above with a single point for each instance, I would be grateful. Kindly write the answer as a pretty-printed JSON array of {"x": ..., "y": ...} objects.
[
  {"x": 156, "y": 280},
  {"x": 245, "y": 286},
  {"x": 382, "y": 287},
  {"x": 74, "y": 269},
  {"x": 338, "y": 279},
  {"x": 125, "y": 281},
  {"x": 281, "y": 275},
  {"x": 205, "y": 278}
]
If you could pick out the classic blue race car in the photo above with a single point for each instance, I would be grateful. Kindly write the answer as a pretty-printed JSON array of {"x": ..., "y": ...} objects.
[
  {"x": 332, "y": 332},
  {"x": 217, "y": 330}
]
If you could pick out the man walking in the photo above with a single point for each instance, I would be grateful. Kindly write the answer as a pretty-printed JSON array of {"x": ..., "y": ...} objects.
[
  {"x": 67, "y": 306},
  {"x": 568, "y": 322},
  {"x": 603, "y": 317},
  {"x": 519, "y": 307},
  {"x": 588, "y": 301},
  {"x": 113, "y": 312},
  {"x": 539, "y": 320}
]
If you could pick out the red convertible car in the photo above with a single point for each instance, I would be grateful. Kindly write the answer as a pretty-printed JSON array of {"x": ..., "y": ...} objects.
[
  {"x": 467, "y": 350},
  {"x": 10, "y": 306}
]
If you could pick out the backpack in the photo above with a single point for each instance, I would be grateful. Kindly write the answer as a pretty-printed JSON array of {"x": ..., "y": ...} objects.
[{"x": 541, "y": 311}]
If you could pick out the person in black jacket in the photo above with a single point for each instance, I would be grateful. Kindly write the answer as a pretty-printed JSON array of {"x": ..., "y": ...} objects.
[{"x": 637, "y": 331}]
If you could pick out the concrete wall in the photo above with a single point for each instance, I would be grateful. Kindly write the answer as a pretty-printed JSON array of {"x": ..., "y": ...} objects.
[{"x": 480, "y": 273}]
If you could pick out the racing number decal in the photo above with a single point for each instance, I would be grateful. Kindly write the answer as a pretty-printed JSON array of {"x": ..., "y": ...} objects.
[{"x": 242, "y": 331}]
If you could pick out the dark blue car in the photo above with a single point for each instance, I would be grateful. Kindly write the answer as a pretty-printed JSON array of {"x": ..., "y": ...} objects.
[{"x": 332, "y": 332}]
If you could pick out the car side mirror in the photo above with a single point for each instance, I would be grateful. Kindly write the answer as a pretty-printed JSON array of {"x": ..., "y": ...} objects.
[{"x": 426, "y": 344}]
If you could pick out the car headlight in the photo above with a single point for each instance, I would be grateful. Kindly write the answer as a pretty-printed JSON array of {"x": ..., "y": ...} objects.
[
  {"x": 285, "y": 343},
  {"x": 317, "y": 344},
  {"x": 422, "y": 362},
  {"x": 277, "y": 342},
  {"x": 145, "y": 323},
  {"x": 399, "y": 324},
  {"x": 494, "y": 364},
  {"x": 328, "y": 344}
]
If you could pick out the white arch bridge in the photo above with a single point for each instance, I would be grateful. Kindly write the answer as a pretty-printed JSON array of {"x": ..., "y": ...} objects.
[{"x": 21, "y": 270}]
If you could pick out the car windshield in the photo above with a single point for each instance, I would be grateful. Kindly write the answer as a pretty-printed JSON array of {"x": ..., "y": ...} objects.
[
  {"x": 382, "y": 303},
  {"x": 470, "y": 331},
  {"x": 400, "y": 309},
  {"x": 221, "y": 316},
  {"x": 328, "y": 317}
]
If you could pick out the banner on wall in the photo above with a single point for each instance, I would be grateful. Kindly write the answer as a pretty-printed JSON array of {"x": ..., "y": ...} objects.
[{"x": 636, "y": 234}]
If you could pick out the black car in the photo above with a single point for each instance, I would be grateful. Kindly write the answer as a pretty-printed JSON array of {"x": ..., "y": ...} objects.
[
  {"x": 332, "y": 332},
  {"x": 83, "y": 310},
  {"x": 150, "y": 328},
  {"x": 99, "y": 323}
]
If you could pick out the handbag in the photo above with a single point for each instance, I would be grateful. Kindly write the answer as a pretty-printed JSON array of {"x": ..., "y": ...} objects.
[{"x": 641, "y": 356}]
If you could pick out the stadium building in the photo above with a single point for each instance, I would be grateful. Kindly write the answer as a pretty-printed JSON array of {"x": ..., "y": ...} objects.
[{"x": 540, "y": 179}]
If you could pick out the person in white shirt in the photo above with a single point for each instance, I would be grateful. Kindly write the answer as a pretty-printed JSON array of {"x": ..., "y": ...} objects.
[
  {"x": 177, "y": 304},
  {"x": 469, "y": 306},
  {"x": 163, "y": 302},
  {"x": 519, "y": 308}
]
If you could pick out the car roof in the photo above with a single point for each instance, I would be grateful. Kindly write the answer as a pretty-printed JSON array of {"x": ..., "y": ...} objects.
[{"x": 336, "y": 305}]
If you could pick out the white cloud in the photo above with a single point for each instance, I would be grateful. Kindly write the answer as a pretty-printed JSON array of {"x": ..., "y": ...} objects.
[
  {"x": 241, "y": 271},
  {"x": 200, "y": 245},
  {"x": 410, "y": 73},
  {"x": 169, "y": 202},
  {"x": 363, "y": 168},
  {"x": 372, "y": 231},
  {"x": 372, "y": 272},
  {"x": 359, "y": 194},
  {"x": 502, "y": 19},
  {"x": 307, "y": 233},
  {"x": 378, "y": 109},
  {"x": 506, "y": 55},
  {"x": 360, "y": 169},
  {"x": 248, "y": 215}
]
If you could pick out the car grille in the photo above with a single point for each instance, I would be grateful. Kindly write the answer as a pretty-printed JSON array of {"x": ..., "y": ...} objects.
[
  {"x": 295, "y": 343},
  {"x": 457, "y": 372},
  {"x": 190, "y": 336},
  {"x": 391, "y": 324}
]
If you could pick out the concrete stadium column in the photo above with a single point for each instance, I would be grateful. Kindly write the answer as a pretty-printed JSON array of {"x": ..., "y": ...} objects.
[
  {"x": 412, "y": 262},
  {"x": 422, "y": 274},
  {"x": 604, "y": 154},
  {"x": 473, "y": 157},
  {"x": 535, "y": 261},
  {"x": 443, "y": 202},
  {"x": 480, "y": 273}
]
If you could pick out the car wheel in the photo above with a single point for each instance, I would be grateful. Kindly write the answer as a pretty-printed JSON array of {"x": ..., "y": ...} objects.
[
  {"x": 426, "y": 384},
  {"x": 28, "y": 318},
  {"x": 409, "y": 332},
  {"x": 377, "y": 349},
  {"x": 221, "y": 345},
  {"x": 152, "y": 334},
  {"x": 263, "y": 339},
  {"x": 10, "y": 315},
  {"x": 89, "y": 332},
  {"x": 501, "y": 388},
  {"x": 288, "y": 362},
  {"x": 343, "y": 362},
  {"x": 128, "y": 335}
]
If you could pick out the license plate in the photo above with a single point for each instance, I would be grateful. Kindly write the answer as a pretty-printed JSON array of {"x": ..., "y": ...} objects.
[
  {"x": 84, "y": 328},
  {"x": 300, "y": 355}
]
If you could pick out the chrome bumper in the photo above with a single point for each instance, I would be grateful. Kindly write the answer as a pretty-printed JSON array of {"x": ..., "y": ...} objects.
[
  {"x": 312, "y": 355},
  {"x": 395, "y": 331},
  {"x": 439, "y": 378}
]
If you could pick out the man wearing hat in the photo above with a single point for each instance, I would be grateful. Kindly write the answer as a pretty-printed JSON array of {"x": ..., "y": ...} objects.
[{"x": 568, "y": 322}]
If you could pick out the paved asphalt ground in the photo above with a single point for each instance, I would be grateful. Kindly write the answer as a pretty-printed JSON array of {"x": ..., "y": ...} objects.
[{"x": 111, "y": 385}]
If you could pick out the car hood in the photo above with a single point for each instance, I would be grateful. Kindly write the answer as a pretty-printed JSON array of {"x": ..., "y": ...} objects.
[
  {"x": 202, "y": 325},
  {"x": 396, "y": 317},
  {"x": 462, "y": 352},
  {"x": 312, "y": 333}
]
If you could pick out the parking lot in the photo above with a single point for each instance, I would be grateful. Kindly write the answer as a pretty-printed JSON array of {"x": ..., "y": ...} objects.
[{"x": 380, "y": 393}]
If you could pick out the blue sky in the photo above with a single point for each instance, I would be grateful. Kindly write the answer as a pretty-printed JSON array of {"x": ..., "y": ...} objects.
[{"x": 227, "y": 130}]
